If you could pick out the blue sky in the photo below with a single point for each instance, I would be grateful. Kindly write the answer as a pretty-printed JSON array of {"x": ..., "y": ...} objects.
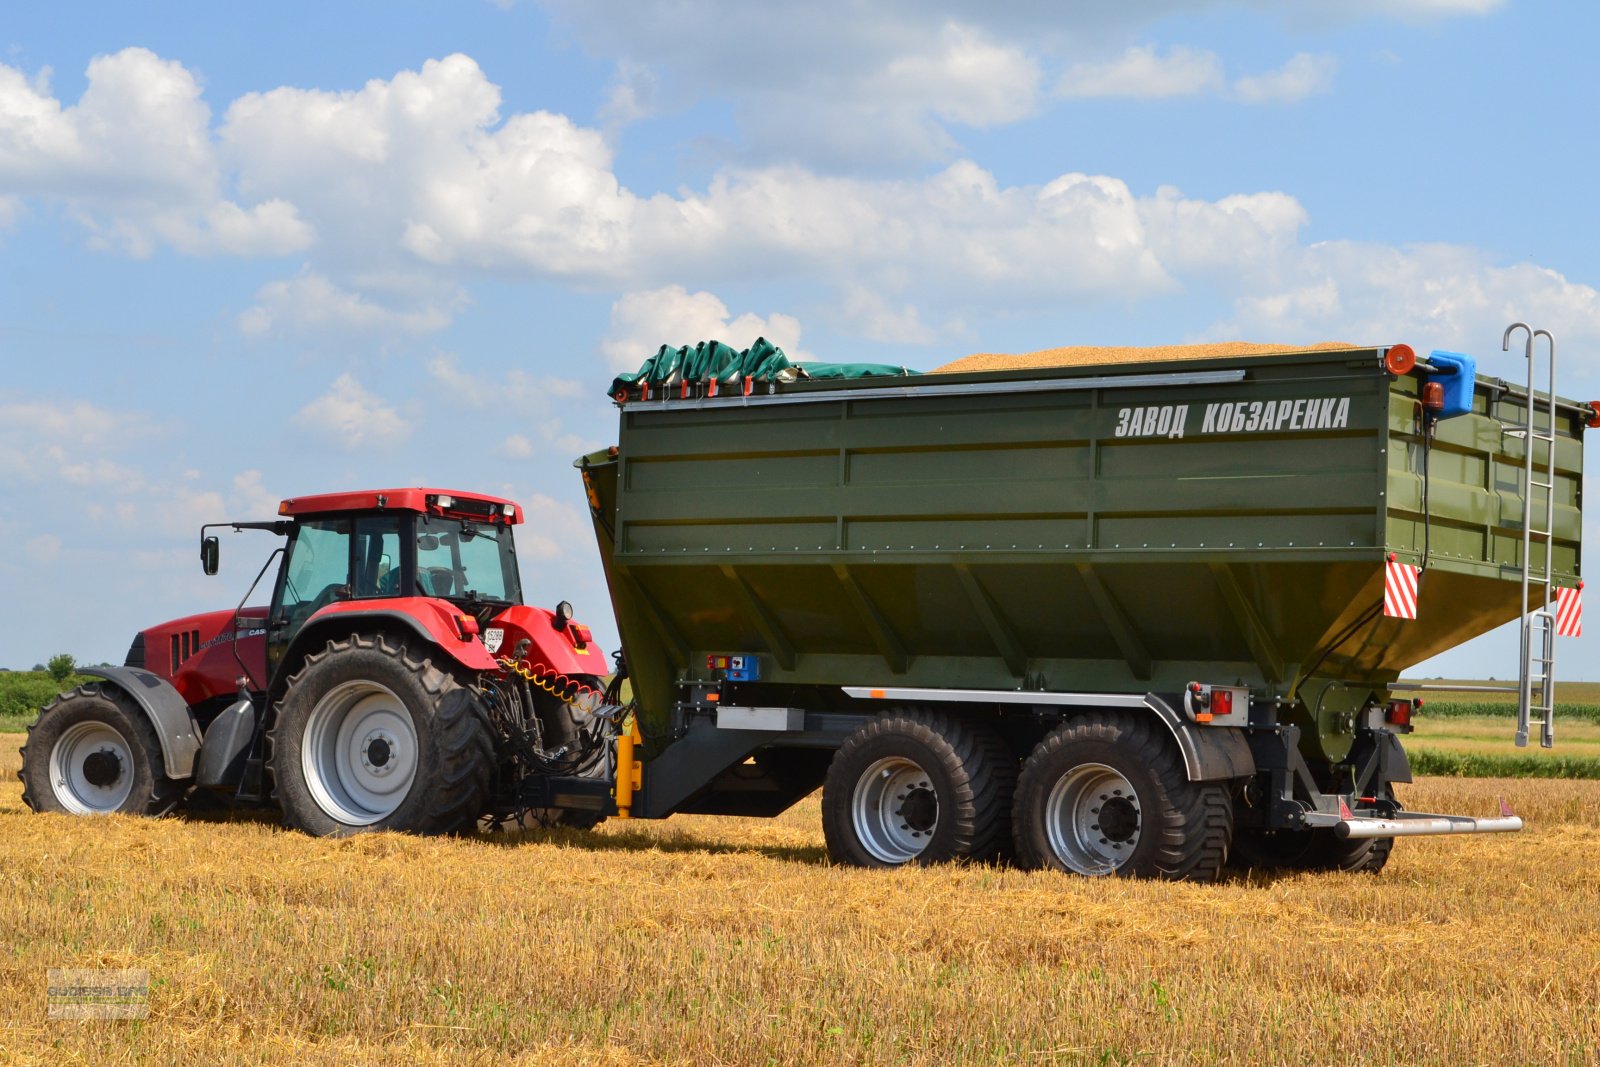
[{"x": 250, "y": 251}]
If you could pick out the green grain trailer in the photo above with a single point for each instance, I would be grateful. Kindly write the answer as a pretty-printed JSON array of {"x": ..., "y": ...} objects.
[{"x": 1124, "y": 618}]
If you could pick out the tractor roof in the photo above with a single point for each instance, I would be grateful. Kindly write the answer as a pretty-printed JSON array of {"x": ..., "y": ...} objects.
[{"x": 450, "y": 502}]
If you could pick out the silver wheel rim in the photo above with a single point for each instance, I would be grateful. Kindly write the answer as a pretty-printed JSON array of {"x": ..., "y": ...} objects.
[
  {"x": 91, "y": 769},
  {"x": 359, "y": 752},
  {"x": 1093, "y": 819},
  {"x": 895, "y": 810}
]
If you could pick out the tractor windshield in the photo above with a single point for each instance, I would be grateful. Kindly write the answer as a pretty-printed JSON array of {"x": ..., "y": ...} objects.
[{"x": 465, "y": 560}]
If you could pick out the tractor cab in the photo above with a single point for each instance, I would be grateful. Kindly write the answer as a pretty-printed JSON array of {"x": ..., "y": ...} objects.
[
  {"x": 355, "y": 551},
  {"x": 358, "y": 548}
]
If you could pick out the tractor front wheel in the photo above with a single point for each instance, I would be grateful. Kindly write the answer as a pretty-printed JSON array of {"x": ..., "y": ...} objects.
[
  {"x": 370, "y": 737},
  {"x": 93, "y": 752}
]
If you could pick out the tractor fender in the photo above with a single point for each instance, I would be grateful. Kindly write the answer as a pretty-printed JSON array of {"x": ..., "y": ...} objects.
[
  {"x": 434, "y": 621},
  {"x": 1210, "y": 753},
  {"x": 166, "y": 710},
  {"x": 570, "y": 650}
]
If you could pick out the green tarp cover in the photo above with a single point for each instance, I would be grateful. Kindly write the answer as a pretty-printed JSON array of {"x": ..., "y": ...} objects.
[{"x": 711, "y": 361}]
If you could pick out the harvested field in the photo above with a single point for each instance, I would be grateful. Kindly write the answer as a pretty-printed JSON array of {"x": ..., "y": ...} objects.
[
  {"x": 1085, "y": 355},
  {"x": 704, "y": 940}
]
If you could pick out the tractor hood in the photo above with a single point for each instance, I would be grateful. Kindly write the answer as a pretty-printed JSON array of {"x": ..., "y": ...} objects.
[{"x": 196, "y": 653}]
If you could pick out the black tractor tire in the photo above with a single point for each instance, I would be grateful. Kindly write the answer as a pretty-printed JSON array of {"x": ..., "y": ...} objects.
[
  {"x": 371, "y": 736},
  {"x": 918, "y": 786},
  {"x": 93, "y": 751},
  {"x": 1107, "y": 794}
]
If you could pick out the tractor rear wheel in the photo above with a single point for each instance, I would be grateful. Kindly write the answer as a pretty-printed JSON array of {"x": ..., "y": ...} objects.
[
  {"x": 918, "y": 787},
  {"x": 1108, "y": 794},
  {"x": 370, "y": 737},
  {"x": 93, "y": 752}
]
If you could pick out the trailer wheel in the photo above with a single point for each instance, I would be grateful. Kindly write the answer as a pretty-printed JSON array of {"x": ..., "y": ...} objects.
[
  {"x": 368, "y": 737},
  {"x": 94, "y": 752},
  {"x": 1108, "y": 794},
  {"x": 917, "y": 787}
]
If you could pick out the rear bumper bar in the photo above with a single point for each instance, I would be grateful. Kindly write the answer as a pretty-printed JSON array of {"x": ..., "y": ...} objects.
[{"x": 1414, "y": 824}]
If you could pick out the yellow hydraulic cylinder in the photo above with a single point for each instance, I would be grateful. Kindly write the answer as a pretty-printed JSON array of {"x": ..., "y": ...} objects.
[{"x": 630, "y": 773}]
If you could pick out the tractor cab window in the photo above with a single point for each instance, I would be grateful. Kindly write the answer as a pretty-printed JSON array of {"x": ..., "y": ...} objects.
[
  {"x": 375, "y": 567},
  {"x": 317, "y": 571},
  {"x": 466, "y": 560}
]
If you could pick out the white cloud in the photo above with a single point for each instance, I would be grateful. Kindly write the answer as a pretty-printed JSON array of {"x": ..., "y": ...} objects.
[
  {"x": 963, "y": 77},
  {"x": 134, "y": 161},
  {"x": 641, "y": 322},
  {"x": 630, "y": 96},
  {"x": 516, "y": 446},
  {"x": 250, "y": 497},
  {"x": 1142, "y": 72},
  {"x": 552, "y": 530},
  {"x": 70, "y": 441},
  {"x": 1443, "y": 296},
  {"x": 353, "y": 417},
  {"x": 869, "y": 314},
  {"x": 1302, "y": 76},
  {"x": 311, "y": 304}
]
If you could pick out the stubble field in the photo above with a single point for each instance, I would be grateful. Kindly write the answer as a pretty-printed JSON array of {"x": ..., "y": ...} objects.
[{"x": 702, "y": 940}]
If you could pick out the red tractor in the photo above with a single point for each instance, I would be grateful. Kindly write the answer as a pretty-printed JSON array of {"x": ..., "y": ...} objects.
[{"x": 396, "y": 681}]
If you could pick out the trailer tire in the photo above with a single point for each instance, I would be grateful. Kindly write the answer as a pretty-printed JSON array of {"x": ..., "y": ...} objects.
[
  {"x": 93, "y": 751},
  {"x": 370, "y": 737},
  {"x": 1360, "y": 855},
  {"x": 1107, "y": 793},
  {"x": 1318, "y": 849},
  {"x": 918, "y": 787}
]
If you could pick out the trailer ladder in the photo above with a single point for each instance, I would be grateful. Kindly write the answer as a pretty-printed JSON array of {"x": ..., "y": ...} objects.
[{"x": 1536, "y": 684}]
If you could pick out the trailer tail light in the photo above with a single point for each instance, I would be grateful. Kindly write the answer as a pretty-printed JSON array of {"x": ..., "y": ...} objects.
[
  {"x": 1400, "y": 359},
  {"x": 1399, "y": 713},
  {"x": 1222, "y": 702}
]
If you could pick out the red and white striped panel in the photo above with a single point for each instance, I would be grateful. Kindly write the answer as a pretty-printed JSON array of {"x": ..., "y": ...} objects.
[
  {"x": 1400, "y": 590},
  {"x": 1569, "y": 612}
]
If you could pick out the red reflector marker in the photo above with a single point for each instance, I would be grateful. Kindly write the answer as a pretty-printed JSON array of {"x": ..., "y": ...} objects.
[
  {"x": 1400, "y": 359},
  {"x": 1594, "y": 420}
]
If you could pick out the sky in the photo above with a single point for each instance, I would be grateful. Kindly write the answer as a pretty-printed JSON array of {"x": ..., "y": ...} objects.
[{"x": 250, "y": 251}]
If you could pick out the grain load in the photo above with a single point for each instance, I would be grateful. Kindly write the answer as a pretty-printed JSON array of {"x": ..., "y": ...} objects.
[{"x": 1088, "y": 355}]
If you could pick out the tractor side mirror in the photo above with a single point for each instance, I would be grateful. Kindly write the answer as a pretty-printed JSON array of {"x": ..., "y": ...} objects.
[{"x": 210, "y": 552}]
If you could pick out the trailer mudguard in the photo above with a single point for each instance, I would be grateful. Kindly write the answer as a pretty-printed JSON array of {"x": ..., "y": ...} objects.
[
  {"x": 166, "y": 710},
  {"x": 1210, "y": 753}
]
